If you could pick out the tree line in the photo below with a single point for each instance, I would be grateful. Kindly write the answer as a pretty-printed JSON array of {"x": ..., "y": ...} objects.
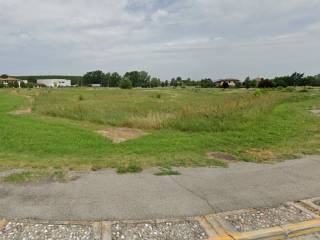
[{"x": 135, "y": 79}]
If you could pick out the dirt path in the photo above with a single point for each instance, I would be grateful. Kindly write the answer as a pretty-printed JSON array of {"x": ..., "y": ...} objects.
[{"x": 106, "y": 195}]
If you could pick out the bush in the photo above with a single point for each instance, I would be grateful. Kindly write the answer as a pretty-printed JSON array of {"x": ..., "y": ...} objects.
[
  {"x": 125, "y": 83},
  {"x": 290, "y": 89},
  {"x": 23, "y": 85},
  {"x": 2, "y": 85},
  {"x": 130, "y": 168},
  {"x": 30, "y": 85}
]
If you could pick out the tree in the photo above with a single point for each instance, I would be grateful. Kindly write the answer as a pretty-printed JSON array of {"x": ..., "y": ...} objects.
[
  {"x": 125, "y": 83},
  {"x": 179, "y": 81},
  {"x": 144, "y": 79},
  {"x": 173, "y": 82},
  {"x": 115, "y": 79},
  {"x": 225, "y": 85},
  {"x": 206, "y": 83},
  {"x": 95, "y": 77},
  {"x": 295, "y": 78},
  {"x": 134, "y": 77},
  {"x": 4, "y": 76},
  {"x": 246, "y": 83},
  {"x": 155, "y": 82},
  {"x": 265, "y": 83},
  {"x": 23, "y": 84}
]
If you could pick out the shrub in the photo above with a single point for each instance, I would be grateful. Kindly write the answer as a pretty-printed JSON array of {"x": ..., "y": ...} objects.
[
  {"x": 290, "y": 89},
  {"x": 125, "y": 83},
  {"x": 130, "y": 168},
  {"x": 80, "y": 98},
  {"x": 23, "y": 84},
  {"x": 2, "y": 85},
  {"x": 30, "y": 85}
]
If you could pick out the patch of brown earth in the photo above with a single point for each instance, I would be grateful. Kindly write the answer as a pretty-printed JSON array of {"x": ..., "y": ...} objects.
[
  {"x": 316, "y": 111},
  {"x": 221, "y": 156},
  {"x": 118, "y": 135},
  {"x": 21, "y": 111}
]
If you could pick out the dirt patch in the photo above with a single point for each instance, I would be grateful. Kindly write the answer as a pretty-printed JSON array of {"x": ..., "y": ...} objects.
[
  {"x": 21, "y": 111},
  {"x": 316, "y": 111},
  {"x": 221, "y": 156},
  {"x": 118, "y": 135}
]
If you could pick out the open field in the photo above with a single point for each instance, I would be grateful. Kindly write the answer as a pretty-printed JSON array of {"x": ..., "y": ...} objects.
[{"x": 182, "y": 125}]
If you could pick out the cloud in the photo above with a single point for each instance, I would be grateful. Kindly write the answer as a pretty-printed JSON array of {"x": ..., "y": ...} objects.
[{"x": 196, "y": 38}]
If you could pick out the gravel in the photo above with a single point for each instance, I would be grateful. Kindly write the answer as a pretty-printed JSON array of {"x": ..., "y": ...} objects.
[
  {"x": 181, "y": 230},
  {"x": 29, "y": 231},
  {"x": 256, "y": 219}
]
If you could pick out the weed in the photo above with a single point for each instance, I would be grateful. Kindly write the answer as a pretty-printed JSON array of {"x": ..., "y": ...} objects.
[
  {"x": 130, "y": 168},
  {"x": 167, "y": 171}
]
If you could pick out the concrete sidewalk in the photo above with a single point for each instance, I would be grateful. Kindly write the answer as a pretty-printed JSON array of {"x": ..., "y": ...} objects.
[{"x": 104, "y": 195}]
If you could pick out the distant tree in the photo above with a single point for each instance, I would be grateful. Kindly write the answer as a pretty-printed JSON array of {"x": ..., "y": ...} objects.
[
  {"x": 125, "y": 83},
  {"x": 238, "y": 84},
  {"x": 281, "y": 81},
  {"x": 246, "y": 83},
  {"x": 155, "y": 82},
  {"x": 295, "y": 78},
  {"x": 173, "y": 82},
  {"x": 107, "y": 80},
  {"x": 206, "y": 83},
  {"x": 134, "y": 77},
  {"x": 225, "y": 85},
  {"x": 144, "y": 79},
  {"x": 23, "y": 84},
  {"x": 179, "y": 81},
  {"x": 265, "y": 83},
  {"x": 30, "y": 85},
  {"x": 95, "y": 77},
  {"x": 166, "y": 83},
  {"x": 115, "y": 79},
  {"x": 4, "y": 76}
]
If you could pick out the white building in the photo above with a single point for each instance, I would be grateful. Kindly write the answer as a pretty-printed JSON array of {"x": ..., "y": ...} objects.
[{"x": 55, "y": 82}]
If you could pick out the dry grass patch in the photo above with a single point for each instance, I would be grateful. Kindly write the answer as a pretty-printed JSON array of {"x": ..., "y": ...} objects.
[
  {"x": 316, "y": 111},
  {"x": 118, "y": 135},
  {"x": 21, "y": 111},
  {"x": 221, "y": 156}
]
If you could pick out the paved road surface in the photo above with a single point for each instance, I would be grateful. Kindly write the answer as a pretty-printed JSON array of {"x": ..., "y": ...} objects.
[{"x": 108, "y": 196}]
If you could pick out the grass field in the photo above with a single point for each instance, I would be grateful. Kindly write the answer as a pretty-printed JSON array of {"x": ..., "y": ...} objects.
[{"x": 182, "y": 125}]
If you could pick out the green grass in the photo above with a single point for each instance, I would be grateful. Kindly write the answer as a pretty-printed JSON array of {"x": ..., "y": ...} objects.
[
  {"x": 35, "y": 176},
  {"x": 184, "y": 124}
]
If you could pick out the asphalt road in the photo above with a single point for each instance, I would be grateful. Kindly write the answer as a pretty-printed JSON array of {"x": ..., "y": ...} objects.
[{"x": 104, "y": 195}]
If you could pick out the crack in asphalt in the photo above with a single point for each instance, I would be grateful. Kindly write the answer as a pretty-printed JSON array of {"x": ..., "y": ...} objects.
[{"x": 193, "y": 193}]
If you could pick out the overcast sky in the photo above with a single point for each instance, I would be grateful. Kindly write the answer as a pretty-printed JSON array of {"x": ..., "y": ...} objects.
[{"x": 167, "y": 38}]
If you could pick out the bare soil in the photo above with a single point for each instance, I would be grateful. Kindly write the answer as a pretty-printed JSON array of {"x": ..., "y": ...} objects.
[
  {"x": 221, "y": 156},
  {"x": 316, "y": 111},
  {"x": 118, "y": 135},
  {"x": 21, "y": 111}
]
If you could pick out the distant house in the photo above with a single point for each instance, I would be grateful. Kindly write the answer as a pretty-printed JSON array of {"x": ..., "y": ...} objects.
[
  {"x": 54, "y": 82},
  {"x": 231, "y": 82},
  {"x": 8, "y": 80}
]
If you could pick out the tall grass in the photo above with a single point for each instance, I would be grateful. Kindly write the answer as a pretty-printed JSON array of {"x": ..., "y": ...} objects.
[{"x": 185, "y": 110}]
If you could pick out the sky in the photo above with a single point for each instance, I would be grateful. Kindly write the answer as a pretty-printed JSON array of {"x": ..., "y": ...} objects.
[{"x": 167, "y": 38}]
